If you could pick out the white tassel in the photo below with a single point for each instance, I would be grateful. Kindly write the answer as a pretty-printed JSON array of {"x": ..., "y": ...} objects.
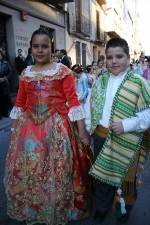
[
  {"x": 119, "y": 191},
  {"x": 123, "y": 210}
]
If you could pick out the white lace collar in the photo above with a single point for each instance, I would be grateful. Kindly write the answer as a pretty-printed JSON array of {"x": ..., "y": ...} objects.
[{"x": 30, "y": 73}]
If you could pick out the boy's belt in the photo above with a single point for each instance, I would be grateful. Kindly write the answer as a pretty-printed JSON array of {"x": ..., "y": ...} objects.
[{"x": 101, "y": 131}]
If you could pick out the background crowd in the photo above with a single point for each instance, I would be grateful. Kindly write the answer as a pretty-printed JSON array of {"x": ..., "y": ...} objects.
[{"x": 83, "y": 79}]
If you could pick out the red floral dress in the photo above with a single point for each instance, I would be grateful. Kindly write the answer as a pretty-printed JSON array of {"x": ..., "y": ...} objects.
[{"x": 47, "y": 166}]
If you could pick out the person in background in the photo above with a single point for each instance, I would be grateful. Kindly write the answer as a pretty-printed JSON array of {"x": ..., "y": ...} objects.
[
  {"x": 94, "y": 68},
  {"x": 48, "y": 160},
  {"x": 5, "y": 74},
  {"x": 131, "y": 67},
  {"x": 94, "y": 65},
  {"x": 57, "y": 53},
  {"x": 137, "y": 68},
  {"x": 81, "y": 83},
  {"x": 70, "y": 60},
  {"x": 55, "y": 59},
  {"x": 64, "y": 58},
  {"x": 146, "y": 73},
  {"x": 29, "y": 60},
  {"x": 20, "y": 63},
  {"x": 118, "y": 114},
  {"x": 90, "y": 76},
  {"x": 142, "y": 63},
  {"x": 100, "y": 68},
  {"x": 5, "y": 58}
]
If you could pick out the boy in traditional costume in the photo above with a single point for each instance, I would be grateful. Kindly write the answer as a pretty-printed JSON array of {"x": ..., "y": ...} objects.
[{"x": 118, "y": 113}]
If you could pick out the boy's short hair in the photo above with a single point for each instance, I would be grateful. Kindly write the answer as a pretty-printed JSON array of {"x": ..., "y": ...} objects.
[{"x": 118, "y": 42}]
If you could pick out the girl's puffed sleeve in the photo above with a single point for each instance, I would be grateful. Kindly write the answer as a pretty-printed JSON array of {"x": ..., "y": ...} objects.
[
  {"x": 20, "y": 104},
  {"x": 76, "y": 111}
]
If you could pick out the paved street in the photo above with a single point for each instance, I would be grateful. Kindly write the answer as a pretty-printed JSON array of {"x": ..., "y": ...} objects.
[{"x": 140, "y": 214}]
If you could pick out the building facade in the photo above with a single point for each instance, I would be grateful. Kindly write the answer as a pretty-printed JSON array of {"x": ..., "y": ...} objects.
[
  {"x": 20, "y": 18},
  {"x": 82, "y": 27},
  {"x": 86, "y": 36}
]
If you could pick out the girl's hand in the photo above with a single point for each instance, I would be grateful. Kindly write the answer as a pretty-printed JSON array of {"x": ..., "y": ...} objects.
[
  {"x": 84, "y": 136},
  {"x": 116, "y": 128}
]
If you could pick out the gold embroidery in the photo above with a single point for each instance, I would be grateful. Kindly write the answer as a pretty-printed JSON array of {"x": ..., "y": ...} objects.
[{"x": 40, "y": 76}]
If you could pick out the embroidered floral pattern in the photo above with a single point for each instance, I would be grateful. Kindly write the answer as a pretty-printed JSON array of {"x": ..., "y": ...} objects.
[
  {"x": 29, "y": 145},
  {"x": 39, "y": 168}
]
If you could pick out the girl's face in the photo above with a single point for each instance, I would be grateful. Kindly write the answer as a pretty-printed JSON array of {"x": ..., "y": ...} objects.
[
  {"x": 55, "y": 59},
  {"x": 94, "y": 66},
  {"x": 41, "y": 48},
  {"x": 92, "y": 69},
  {"x": 116, "y": 60}
]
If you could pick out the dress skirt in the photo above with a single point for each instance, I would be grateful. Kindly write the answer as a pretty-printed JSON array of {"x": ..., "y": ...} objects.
[{"x": 46, "y": 176}]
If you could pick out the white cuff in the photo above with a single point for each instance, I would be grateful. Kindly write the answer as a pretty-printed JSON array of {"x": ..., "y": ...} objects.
[
  {"x": 127, "y": 125},
  {"x": 76, "y": 113},
  {"x": 15, "y": 113}
]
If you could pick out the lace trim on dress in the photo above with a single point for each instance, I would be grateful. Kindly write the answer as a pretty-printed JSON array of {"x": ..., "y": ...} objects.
[
  {"x": 47, "y": 75},
  {"x": 76, "y": 113},
  {"x": 15, "y": 113},
  {"x": 29, "y": 73}
]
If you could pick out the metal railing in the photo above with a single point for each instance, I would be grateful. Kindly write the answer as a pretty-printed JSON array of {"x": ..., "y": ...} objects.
[
  {"x": 81, "y": 25},
  {"x": 101, "y": 34}
]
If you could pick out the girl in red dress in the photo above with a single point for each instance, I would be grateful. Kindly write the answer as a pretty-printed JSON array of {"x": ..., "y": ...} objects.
[{"x": 48, "y": 160}]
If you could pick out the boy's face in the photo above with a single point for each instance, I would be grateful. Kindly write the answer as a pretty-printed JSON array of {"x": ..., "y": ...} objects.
[
  {"x": 116, "y": 60},
  {"x": 94, "y": 66}
]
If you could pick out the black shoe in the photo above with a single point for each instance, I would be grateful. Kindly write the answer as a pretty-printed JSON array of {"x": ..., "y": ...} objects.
[
  {"x": 98, "y": 216},
  {"x": 124, "y": 217}
]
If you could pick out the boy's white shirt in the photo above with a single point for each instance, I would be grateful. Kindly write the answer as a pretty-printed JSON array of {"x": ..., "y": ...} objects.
[{"x": 138, "y": 123}]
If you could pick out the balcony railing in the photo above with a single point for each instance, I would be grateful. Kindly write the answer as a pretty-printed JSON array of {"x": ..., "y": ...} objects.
[
  {"x": 81, "y": 25},
  {"x": 101, "y": 35}
]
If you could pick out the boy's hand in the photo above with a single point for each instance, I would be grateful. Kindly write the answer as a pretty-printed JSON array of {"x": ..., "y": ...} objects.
[{"x": 116, "y": 128}]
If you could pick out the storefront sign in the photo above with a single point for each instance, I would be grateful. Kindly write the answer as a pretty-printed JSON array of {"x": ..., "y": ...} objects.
[{"x": 20, "y": 41}]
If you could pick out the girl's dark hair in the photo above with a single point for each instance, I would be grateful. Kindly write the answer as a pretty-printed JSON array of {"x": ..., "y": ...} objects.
[
  {"x": 88, "y": 68},
  {"x": 77, "y": 68},
  {"x": 118, "y": 42},
  {"x": 93, "y": 62},
  {"x": 41, "y": 32}
]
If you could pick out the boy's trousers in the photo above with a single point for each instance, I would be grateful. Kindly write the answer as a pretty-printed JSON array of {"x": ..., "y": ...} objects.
[{"x": 104, "y": 193}]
